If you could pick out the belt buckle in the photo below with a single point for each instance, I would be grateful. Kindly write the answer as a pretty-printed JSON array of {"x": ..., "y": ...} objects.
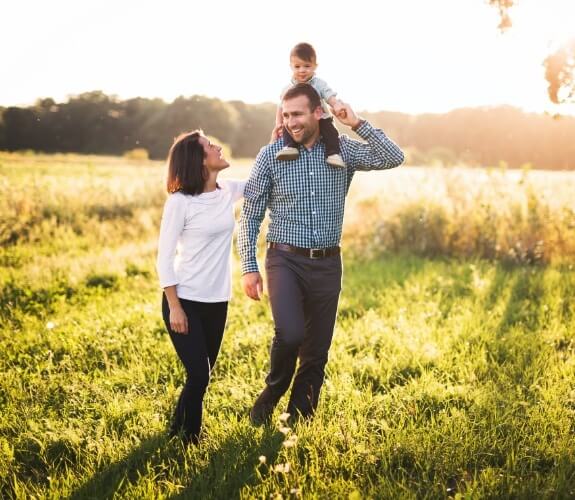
[{"x": 316, "y": 253}]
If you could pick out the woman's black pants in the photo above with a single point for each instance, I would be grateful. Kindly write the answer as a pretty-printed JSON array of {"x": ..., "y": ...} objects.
[{"x": 198, "y": 351}]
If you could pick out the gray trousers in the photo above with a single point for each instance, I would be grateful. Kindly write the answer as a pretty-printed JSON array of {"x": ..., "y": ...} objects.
[{"x": 304, "y": 294}]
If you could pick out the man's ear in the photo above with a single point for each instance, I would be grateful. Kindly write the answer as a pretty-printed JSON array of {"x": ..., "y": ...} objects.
[{"x": 318, "y": 113}]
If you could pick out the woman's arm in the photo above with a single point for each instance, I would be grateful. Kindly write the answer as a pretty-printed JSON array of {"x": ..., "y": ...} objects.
[
  {"x": 178, "y": 318},
  {"x": 173, "y": 219}
]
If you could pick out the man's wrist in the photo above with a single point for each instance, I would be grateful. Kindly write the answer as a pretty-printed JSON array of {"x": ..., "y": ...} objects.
[
  {"x": 356, "y": 125},
  {"x": 250, "y": 267}
]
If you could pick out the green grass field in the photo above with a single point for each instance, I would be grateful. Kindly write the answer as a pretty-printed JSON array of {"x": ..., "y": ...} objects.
[{"x": 451, "y": 373}]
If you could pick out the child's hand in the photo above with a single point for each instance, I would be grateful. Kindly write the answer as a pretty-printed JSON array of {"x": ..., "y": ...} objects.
[
  {"x": 338, "y": 107},
  {"x": 347, "y": 116},
  {"x": 276, "y": 133}
]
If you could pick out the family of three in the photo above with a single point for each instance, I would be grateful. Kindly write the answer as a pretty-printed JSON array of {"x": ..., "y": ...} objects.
[{"x": 302, "y": 178}]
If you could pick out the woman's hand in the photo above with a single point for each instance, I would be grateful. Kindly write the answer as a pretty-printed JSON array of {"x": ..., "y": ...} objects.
[{"x": 178, "y": 320}]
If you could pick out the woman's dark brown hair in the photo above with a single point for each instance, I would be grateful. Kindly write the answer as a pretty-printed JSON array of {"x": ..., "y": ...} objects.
[{"x": 186, "y": 164}]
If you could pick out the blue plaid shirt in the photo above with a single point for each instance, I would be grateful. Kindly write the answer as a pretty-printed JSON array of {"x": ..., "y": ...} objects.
[{"x": 306, "y": 197}]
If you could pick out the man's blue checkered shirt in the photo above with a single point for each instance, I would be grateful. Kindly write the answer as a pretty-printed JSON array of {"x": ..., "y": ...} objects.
[{"x": 306, "y": 197}]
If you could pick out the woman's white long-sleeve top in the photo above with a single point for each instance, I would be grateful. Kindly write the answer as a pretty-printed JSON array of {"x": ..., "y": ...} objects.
[{"x": 194, "y": 249}]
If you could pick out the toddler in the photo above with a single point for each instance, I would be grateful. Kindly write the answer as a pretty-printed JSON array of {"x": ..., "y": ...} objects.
[{"x": 303, "y": 64}]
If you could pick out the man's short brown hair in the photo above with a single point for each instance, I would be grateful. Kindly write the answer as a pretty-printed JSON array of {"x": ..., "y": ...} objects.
[
  {"x": 305, "y": 52},
  {"x": 304, "y": 89}
]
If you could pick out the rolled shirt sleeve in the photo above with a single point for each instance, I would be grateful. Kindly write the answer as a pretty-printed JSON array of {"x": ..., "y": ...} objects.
[{"x": 379, "y": 152}]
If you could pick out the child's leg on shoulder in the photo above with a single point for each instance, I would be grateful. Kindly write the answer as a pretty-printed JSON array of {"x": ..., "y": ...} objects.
[
  {"x": 290, "y": 150},
  {"x": 330, "y": 136}
]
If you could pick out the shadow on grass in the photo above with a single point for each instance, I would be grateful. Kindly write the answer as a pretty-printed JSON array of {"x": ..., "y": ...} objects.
[
  {"x": 233, "y": 465},
  {"x": 364, "y": 282},
  {"x": 516, "y": 348},
  {"x": 524, "y": 306},
  {"x": 106, "y": 482}
]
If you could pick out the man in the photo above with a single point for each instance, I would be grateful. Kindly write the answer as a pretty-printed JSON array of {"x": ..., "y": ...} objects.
[{"x": 306, "y": 199}]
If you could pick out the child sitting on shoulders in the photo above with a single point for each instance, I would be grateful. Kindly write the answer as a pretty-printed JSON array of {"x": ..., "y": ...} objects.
[{"x": 303, "y": 62}]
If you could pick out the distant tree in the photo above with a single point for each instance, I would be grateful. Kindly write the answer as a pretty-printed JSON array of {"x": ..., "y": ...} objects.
[
  {"x": 214, "y": 116},
  {"x": 138, "y": 116},
  {"x": 503, "y": 6},
  {"x": 560, "y": 73},
  {"x": 90, "y": 123},
  {"x": 559, "y": 66},
  {"x": 483, "y": 137},
  {"x": 2, "y": 130},
  {"x": 21, "y": 128},
  {"x": 253, "y": 128}
]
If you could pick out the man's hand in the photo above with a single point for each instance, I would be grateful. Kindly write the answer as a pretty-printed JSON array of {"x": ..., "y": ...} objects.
[
  {"x": 347, "y": 116},
  {"x": 253, "y": 285}
]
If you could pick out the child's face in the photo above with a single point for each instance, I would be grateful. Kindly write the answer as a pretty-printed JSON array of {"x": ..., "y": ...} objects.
[{"x": 302, "y": 70}]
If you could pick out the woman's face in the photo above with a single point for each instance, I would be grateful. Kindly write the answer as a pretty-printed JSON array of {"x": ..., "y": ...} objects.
[{"x": 213, "y": 159}]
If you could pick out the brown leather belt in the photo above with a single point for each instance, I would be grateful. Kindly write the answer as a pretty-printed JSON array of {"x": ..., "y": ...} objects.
[{"x": 312, "y": 253}]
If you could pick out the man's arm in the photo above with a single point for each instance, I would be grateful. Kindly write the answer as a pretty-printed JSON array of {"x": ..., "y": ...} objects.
[
  {"x": 379, "y": 153},
  {"x": 256, "y": 196}
]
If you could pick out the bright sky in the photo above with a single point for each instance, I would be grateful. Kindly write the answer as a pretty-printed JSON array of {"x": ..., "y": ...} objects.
[{"x": 404, "y": 55}]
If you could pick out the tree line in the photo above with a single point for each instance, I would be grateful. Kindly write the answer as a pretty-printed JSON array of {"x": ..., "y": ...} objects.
[{"x": 94, "y": 122}]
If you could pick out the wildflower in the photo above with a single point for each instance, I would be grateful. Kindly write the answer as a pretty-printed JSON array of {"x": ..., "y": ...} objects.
[
  {"x": 50, "y": 325},
  {"x": 262, "y": 459},
  {"x": 282, "y": 468},
  {"x": 284, "y": 430},
  {"x": 295, "y": 491},
  {"x": 290, "y": 442},
  {"x": 284, "y": 417}
]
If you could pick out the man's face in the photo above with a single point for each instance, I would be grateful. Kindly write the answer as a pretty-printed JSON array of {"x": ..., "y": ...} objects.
[{"x": 300, "y": 121}]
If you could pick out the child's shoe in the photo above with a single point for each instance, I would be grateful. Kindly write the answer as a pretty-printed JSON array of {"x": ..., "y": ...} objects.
[
  {"x": 287, "y": 153},
  {"x": 336, "y": 161}
]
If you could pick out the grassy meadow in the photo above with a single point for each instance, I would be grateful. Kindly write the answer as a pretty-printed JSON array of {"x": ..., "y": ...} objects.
[{"x": 452, "y": 372}]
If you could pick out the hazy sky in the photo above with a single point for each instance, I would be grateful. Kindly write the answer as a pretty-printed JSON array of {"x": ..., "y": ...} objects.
[{"x": 404, "y": 55}]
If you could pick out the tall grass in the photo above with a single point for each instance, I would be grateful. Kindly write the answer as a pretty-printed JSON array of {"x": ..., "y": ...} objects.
[
  {"x": 513, "y": 216},
  {"x": 448, "y": 377}
]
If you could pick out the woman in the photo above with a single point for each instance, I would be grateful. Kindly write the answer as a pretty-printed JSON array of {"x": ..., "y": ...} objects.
[{"x": 198, "y": 218}]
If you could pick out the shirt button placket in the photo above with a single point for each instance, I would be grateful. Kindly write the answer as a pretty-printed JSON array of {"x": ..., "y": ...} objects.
[{"x": 313, "y": 205}]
